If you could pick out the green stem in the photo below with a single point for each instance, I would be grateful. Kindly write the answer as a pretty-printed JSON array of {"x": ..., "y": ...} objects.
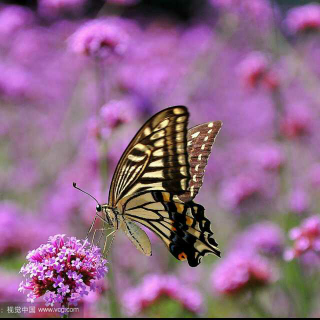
[
  {"x": 258, "y": 308},
  {"x": 101, "y": 89},
  {"x": 115, "y": 311}
]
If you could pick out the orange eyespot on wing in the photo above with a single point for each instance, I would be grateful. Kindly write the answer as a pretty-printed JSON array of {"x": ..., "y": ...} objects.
[{"x": 182, "y": 256}]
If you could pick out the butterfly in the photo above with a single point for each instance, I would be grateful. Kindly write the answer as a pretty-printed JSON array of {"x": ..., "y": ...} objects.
[{"x": 155, "y": 182}]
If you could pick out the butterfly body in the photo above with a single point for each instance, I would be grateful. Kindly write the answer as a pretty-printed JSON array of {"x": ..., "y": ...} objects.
[{"x": 155, "y": 182}]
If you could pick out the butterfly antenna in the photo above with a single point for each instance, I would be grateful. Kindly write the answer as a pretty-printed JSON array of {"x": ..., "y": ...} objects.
[{"x": 75, "y": 186}]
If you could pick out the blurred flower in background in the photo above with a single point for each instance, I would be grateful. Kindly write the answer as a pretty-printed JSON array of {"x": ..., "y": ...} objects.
[
  {"x": 240, "y": 271},
  {"x": 13, "y": 19},
  {"x": 254, "y": 70},
  {"x": 153, "y": 287},
  {"x": 100, "y": 38},
  {"x": 306, "y": 238},
  {"x": 304, "y": 18},
  {"x": 77, "y": 80},
  {"x": 264, "y": 237}
]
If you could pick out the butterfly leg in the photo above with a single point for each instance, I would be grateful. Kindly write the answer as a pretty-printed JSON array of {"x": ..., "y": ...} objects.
[
  {"x": 118, "y": 224},
  {"x": 113, "y": 234},
  {"x": 103, "y": 233},
  {"x": 91, "y": 227},
  {"x": 93, "y": 237}
]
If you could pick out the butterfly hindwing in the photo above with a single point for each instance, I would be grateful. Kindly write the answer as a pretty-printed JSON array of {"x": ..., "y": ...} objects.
[
  {"x": 183, "y": 227},
  {"x": 200, "y": 141},
  {"x": 156, "y": 158},
  {"x": 138, "y": 237}
]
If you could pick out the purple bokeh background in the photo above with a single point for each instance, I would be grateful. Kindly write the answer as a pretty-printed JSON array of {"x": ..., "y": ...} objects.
[{"x": 77, "y": 80}]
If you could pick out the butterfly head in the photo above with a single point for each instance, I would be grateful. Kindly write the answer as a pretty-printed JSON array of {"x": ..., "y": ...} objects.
[{"x": 109, "y": 214}]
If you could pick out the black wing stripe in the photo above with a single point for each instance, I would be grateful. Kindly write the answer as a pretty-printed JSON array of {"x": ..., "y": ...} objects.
[
  {"x": 195, "y": 228},
  {"x": 164, "y": 139},
  {"x": 182, "y": 226}
]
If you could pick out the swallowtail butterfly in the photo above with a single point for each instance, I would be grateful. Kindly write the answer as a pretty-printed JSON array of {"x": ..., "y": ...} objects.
[{"x": 155, "y": 182}]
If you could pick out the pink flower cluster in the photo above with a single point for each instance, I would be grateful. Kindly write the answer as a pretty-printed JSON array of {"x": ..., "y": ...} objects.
[
  {"x": 14, "y": 18},
  {"x": 297, "y": 121},
  {"x": 100, "y": 39},
  {"x": 153, "y": 287},
  {"x": 264, "y": 237},
  {"x": 240, "y": 270},
  {"x": 111, "y": 115},
  {"x": 304, "y": 18},
  {"x": 306, "y": 238},
  {"x": 239, "y": 190},
  {"x": 63, "y": 271},
  {"x": 255, "y": 70},
  {"x": 269, "y": 157}
]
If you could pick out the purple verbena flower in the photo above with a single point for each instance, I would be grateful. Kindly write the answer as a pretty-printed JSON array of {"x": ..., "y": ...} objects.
[
  {"x": 153, "y": 287},
  {"x": 297, "y": 121},
  {"x": 255, "y": 70},
  {"x": 264, "y": 237},
  {"x": 239, "y": 190},
  {"x": 269, "y": 157},
  {"x": 112, "y": 115},
  {"x": 240, "y": 270},
  {"x": 66, "y": 281},
  {"x": 100, "y": 38},
  {"x": 15, "y": 84},
  {"x": 116, "y": 112},
  {"x": 12, "y": 19},
  {"x": 306, "y": 238},
  {"x": 303, "y": 18}
]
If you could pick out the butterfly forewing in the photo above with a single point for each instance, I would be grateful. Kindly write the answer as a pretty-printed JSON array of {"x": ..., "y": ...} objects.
[
  {"x": 156, "y": 158},
  {"x": 200, "y": 141}
]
